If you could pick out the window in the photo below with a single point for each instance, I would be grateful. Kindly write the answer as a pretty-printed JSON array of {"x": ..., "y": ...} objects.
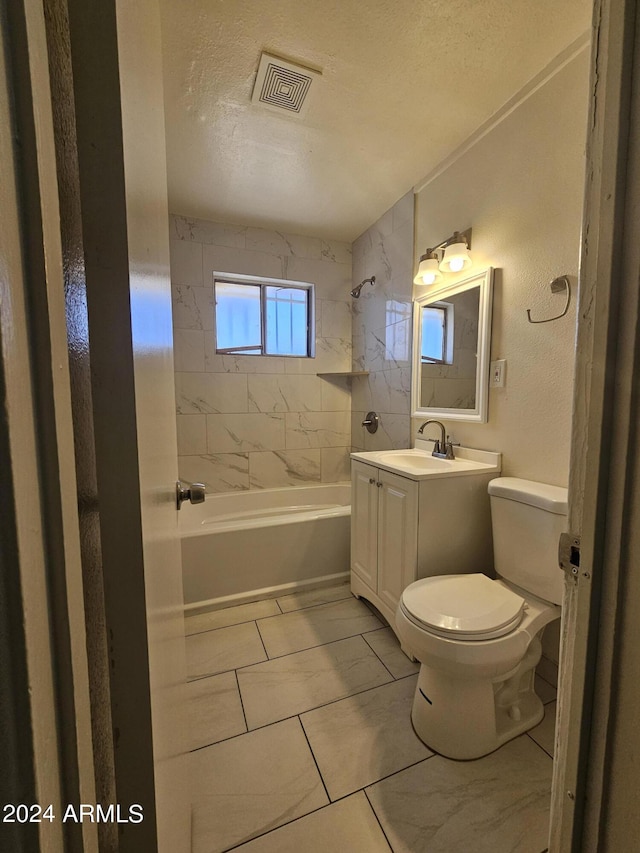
[
  {"x": 437, "y": 333},
  {"x": 263, "y": 316}
]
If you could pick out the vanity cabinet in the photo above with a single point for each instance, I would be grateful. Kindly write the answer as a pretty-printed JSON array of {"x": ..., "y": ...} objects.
[
  {"x": 384, "y": 530},
  {"x": 403, "y": 529}
]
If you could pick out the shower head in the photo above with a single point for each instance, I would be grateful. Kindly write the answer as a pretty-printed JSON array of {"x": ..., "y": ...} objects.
[{"x": 356, "y": 290}]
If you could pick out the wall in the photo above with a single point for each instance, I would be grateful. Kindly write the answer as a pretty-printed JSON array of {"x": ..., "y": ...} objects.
[
  {"x": 247, "y": 422},
  {"x": 382, "y": 329},
  {"x": 520, "y": 187}
]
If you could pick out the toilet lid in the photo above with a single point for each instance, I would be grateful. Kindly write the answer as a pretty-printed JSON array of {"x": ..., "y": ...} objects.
[{"x": 464, "y": 606}]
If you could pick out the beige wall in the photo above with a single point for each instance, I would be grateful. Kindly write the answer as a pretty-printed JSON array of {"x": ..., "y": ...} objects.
[
  {"x": 252, "y": 421},
  {"x": 520, "y": 187}
]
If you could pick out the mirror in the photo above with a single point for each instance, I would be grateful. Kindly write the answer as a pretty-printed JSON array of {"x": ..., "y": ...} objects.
[{"x": 451, "y": 340}]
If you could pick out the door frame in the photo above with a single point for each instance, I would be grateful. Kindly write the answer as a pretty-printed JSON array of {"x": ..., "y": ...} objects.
[
  {"x": 40, "y": 532},
  {"x": 605, "y": 482},
  {"x": 60, "y": 755},
  {"x": 604, "y": 486}
]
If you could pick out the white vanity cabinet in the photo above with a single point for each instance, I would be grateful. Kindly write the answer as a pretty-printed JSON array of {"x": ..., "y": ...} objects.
[
  {"x": 403, "y": 528},
  {"x": 384, "y": 531}
]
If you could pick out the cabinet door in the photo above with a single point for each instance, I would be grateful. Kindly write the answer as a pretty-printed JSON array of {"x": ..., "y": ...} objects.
[
  {"x": 397, "y": 536},
  {"x": 364, "y": 522}
]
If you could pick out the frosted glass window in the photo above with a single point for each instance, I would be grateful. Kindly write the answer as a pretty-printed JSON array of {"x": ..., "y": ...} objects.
[
  {"x": 287, "y": 318},
  {"x": 397, "y": 331},
  {"x": 266, "y": 318},
  {"x": 437, "y": 331},
  {"x": 238, "y": 323}
]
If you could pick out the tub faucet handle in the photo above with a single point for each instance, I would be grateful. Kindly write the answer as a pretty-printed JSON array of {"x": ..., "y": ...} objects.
[
  {"x": 195, "y": 493},
  {"x": 371, "y": 422}
]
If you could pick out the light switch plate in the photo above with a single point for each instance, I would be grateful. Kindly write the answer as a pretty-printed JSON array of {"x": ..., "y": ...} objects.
[{"x": 498, "y": 373}]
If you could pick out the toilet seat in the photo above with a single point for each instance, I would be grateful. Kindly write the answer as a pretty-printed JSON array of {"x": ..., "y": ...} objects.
[{"x": 463, "y": 607}]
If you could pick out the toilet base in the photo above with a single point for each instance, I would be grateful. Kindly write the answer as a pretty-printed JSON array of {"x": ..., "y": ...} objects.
[{"x": 465, "y": 718}]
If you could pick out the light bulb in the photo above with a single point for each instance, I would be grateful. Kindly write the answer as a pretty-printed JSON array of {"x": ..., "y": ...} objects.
[
  {"x": 428, "y": 271},
  {"x": 456, "y": 256}
]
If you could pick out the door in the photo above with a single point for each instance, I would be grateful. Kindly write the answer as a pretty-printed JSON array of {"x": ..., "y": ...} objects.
[
  {"x": 364, "y": 522},
  {"x": 140, "y": 73},
  {"x": 397, "y": 536},
  {"x": 596, "y": 773},
  {"x": 107, "y": 104}
]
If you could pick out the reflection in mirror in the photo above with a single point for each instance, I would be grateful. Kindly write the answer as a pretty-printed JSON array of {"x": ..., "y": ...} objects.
[
  {"x": 451, "y": 350},
  {"x": 397, "y": 332}
]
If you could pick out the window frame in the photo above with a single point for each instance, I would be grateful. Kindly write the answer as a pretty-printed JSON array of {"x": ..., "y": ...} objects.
[
  {"x": 263, "y": 283},
  {"x": 448, "y": 310}
]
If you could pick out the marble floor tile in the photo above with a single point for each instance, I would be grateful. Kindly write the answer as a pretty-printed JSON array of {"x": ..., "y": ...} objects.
[
  {"x": 230, "y": 616},
  {"x": 495, "y": 804},
  {"x": 349, "y": 825},
  {"x": 374, "y": 610},
  {"x": 364, "y": 738},
  {"x": 251, "y": 784},
  {"x": 295, "y": 683},
  {"x": 544, "y": 733},
  {"x": 214, "y": 710},
  {"x": 223, "y": 649},
  {"x": 303, "y": 629},
  {"x": 385, "y": 644},
  {"x": 300, "y": 600},
  {"x": 547, "y": 692}
]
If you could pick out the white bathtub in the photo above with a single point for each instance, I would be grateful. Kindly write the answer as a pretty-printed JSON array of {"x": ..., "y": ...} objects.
[{"x": 248, "y": 545}]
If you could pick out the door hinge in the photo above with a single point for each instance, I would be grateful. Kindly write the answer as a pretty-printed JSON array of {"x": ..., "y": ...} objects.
[{"x": 569, "y": 554}]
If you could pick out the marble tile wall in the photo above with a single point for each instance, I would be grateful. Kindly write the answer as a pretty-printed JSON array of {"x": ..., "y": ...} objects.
[
  {"x": 252, "y": 422},
  {"x": 382, "y": 329}
]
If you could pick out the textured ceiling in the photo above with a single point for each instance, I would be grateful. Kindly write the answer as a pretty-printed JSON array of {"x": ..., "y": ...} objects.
[{"x": 403, "y": 84}]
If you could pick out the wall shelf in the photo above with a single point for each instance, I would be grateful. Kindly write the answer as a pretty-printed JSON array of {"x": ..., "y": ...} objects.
[{"x": 344, "y": 373}]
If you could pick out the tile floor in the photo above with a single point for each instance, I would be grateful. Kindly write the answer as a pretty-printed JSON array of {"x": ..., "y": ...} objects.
[{"x": 301, "y": 740}]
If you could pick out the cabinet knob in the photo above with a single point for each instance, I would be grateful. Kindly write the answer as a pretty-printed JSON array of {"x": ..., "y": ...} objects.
[{"x": 372, "y": 480}]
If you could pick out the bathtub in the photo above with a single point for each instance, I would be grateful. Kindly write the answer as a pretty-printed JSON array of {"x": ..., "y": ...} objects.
[{"x": 243, "y": 546}]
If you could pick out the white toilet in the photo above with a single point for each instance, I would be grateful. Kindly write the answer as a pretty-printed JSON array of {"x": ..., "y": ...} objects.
[{"x": 477, "y": 639}]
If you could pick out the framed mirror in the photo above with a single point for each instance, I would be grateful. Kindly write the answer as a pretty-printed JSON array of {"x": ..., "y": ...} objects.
[{"x": 451, "y": 350}]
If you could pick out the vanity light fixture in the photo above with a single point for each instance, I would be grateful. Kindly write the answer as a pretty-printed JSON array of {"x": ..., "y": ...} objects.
[
  {"x": 428, "y": 271},
  {"x": 451, "y": 255},
  {"x": 456, "y": 255}
]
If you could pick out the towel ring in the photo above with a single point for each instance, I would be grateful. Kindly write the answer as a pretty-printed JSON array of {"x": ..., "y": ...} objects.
[{"x": 558, "y": 285}]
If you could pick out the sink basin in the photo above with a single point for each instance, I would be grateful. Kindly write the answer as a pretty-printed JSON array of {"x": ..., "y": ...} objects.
[
  {"x": 417, "y": 459},
  {"x": 419, "y": 464}
]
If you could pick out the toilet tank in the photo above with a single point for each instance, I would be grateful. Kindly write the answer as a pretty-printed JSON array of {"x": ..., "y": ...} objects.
[{"x": 527, "y": 519}]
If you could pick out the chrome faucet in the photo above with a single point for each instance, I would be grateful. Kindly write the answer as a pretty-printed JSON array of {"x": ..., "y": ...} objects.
[{"x": 442, "y": 448}]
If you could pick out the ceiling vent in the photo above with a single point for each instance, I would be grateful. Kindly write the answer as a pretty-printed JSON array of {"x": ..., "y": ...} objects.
[{"x": 282, "y": 85}]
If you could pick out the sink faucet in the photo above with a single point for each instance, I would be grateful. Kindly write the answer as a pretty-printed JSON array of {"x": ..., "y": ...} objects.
[{"x": 442, "y": 448}]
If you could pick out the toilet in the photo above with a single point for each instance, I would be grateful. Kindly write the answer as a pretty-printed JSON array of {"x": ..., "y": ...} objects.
[{"x": 478, "y": 639}]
